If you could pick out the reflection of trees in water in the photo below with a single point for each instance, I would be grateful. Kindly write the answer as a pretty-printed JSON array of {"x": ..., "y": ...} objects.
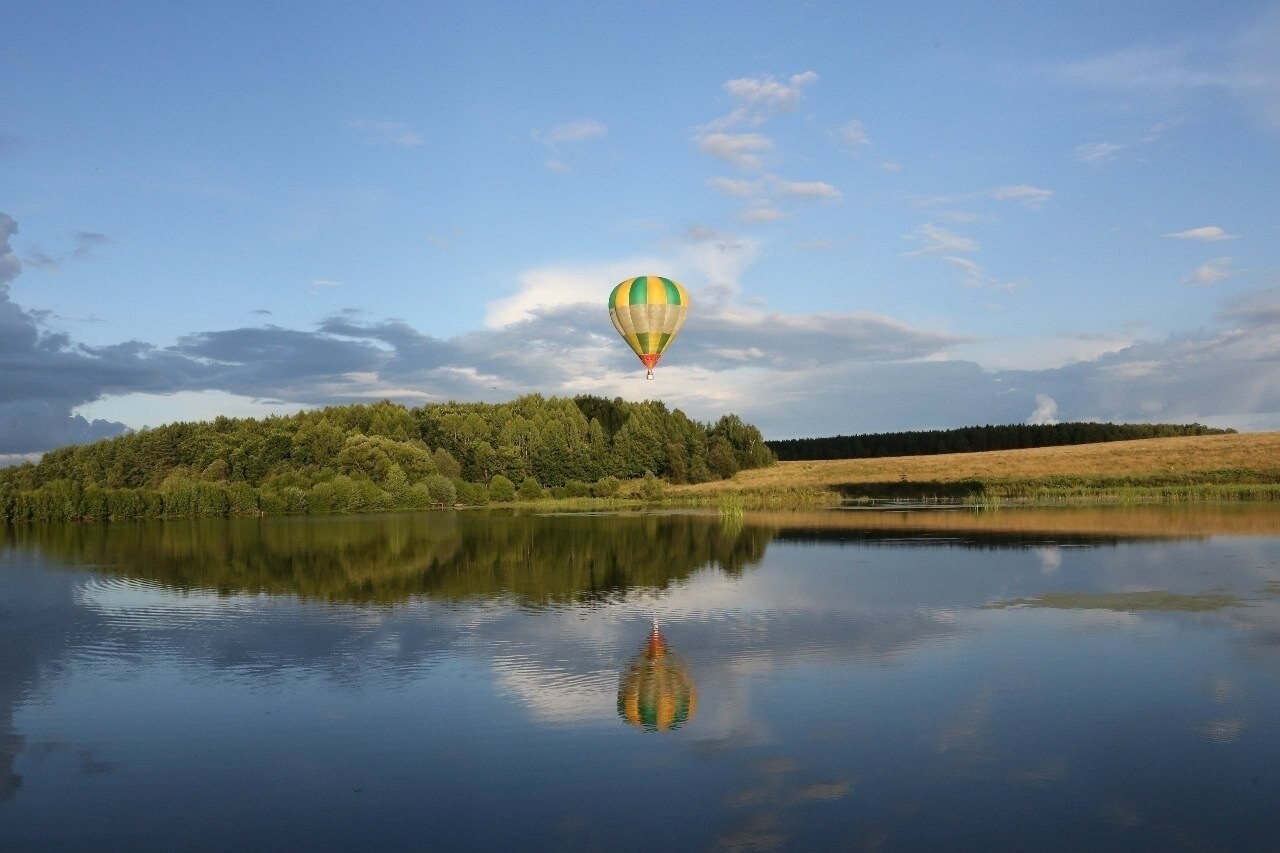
[
  {"x": 537, "y": 559},
  {"x": 656, "y": 691}
]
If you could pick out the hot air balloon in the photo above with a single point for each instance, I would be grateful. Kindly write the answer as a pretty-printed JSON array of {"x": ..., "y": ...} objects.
[
  {"x": 656, "y": 692},
  {"x": 648, "y": 312}
]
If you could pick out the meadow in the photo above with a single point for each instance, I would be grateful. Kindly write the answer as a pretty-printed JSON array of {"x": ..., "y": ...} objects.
[{"x": 1239, "y": 466}]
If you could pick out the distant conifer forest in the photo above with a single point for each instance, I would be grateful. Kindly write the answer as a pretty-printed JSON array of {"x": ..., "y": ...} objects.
[
  {"x": 975, "y": 439},
  {"x": 379, "y": 457}
]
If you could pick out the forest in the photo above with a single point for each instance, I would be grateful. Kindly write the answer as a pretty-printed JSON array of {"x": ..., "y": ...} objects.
[
  {"x": 381, "y": 456},
  {"x": 974, "y": 439}
]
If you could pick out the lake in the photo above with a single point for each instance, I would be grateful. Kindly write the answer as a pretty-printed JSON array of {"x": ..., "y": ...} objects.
[{"x": 1021, "y": 679}]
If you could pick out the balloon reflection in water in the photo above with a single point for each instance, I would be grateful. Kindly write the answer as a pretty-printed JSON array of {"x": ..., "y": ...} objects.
[{"x": 656, "y": 692}]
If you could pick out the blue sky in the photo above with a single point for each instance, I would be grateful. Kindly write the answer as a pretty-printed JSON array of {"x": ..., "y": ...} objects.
[{"x": 889, "y": 216}]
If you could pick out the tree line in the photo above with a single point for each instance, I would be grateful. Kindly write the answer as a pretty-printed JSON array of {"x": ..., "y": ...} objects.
[
  {"x": 381, "y": 456},
  {"x": 973, "y": 439}
]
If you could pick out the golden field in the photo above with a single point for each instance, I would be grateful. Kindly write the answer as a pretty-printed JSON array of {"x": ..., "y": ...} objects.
[{"x": 1187, "y": 462}]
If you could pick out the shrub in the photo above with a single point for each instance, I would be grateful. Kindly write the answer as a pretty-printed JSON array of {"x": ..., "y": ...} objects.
[
  {"x": 606, "y": 487},
  {"x": 441, "y": 490},
  {"x": 471, "y": 494},
  {"x": 651, "y": 489},
  {"x": 577, "y": 489},
  {"x": 530, "y": 489},
  {"x": 501, "y": 490}
]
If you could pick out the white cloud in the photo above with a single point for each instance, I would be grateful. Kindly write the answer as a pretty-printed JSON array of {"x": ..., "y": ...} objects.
[
  {"x": 1098, "y": 152},
  {"x": 1206, "y": 233},
  {"x": 976, "y": 276},
  {"x": 740, "y": 149},
  {"x": 759, "y": 99},
  {"x": 890, "y": 166},
  {"x": 762, "y": 213},
  {"x": 768, "y": 95},
  {"x": 936, "y": 240},
  {"x": 807, "y": 189},
  {"x": 1046, "y": 411},
  {"x": 566, "y": 134},
  {"x": 736, "y": 187},
  {"x": 393, "y": 133},
  {"x": 854, "y": 135},
  {"x": 1211, "y": 272},
  {"x": 1024, "y": 193},
  {"x": 1028, "y": 195},
  {"x": 552, "y": 286}
]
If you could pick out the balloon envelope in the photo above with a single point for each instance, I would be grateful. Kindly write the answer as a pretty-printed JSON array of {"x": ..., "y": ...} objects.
[{"x": 648, "y": 312}]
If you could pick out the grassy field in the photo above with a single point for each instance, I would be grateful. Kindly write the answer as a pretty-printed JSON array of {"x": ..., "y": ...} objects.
[{"x": 1193, "y": 468}]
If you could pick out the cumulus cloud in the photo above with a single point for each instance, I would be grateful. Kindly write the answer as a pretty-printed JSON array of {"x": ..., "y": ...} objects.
[
  {"x": 546, "y": 287},
  {"x": 742, "y": 150},
  {"x": 1208, "y": 233},
  {"x": 757, "y": 100},
  {"x": 791, "y": 374},
  {"x": 765, "y": 196},
  {"x": 807, "y": 189},
  {"x": 766, "y": 96},
  {"x": 44, "y": 376},
  {"x": 1046, "y": 411}
]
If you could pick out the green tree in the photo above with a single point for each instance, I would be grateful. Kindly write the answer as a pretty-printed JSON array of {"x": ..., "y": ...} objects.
[
  {"x": 530, "y": 489},
  {"x": 651, "y": 488},
  {"x": 446, "y": 464},
  {"x": 441, "y": 490},
  {"x": 501, "y": 489}
]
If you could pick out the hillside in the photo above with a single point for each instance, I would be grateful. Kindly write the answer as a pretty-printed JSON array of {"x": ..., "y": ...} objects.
[
  {"x": 1188, "y": 461},
  {"x": 378, "y": 457}
]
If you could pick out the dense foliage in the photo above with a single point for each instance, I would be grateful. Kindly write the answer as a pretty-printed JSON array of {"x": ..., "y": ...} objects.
[
  {"x": 380, "y": 457},
  {"x": 975, "y": 438}
]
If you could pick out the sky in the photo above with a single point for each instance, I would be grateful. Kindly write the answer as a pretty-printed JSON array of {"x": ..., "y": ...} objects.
[{"x": 888, "y": 216}]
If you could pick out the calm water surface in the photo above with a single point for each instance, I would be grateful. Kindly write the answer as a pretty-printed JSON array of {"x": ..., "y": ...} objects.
[{"x": 1016, "y": 680}]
